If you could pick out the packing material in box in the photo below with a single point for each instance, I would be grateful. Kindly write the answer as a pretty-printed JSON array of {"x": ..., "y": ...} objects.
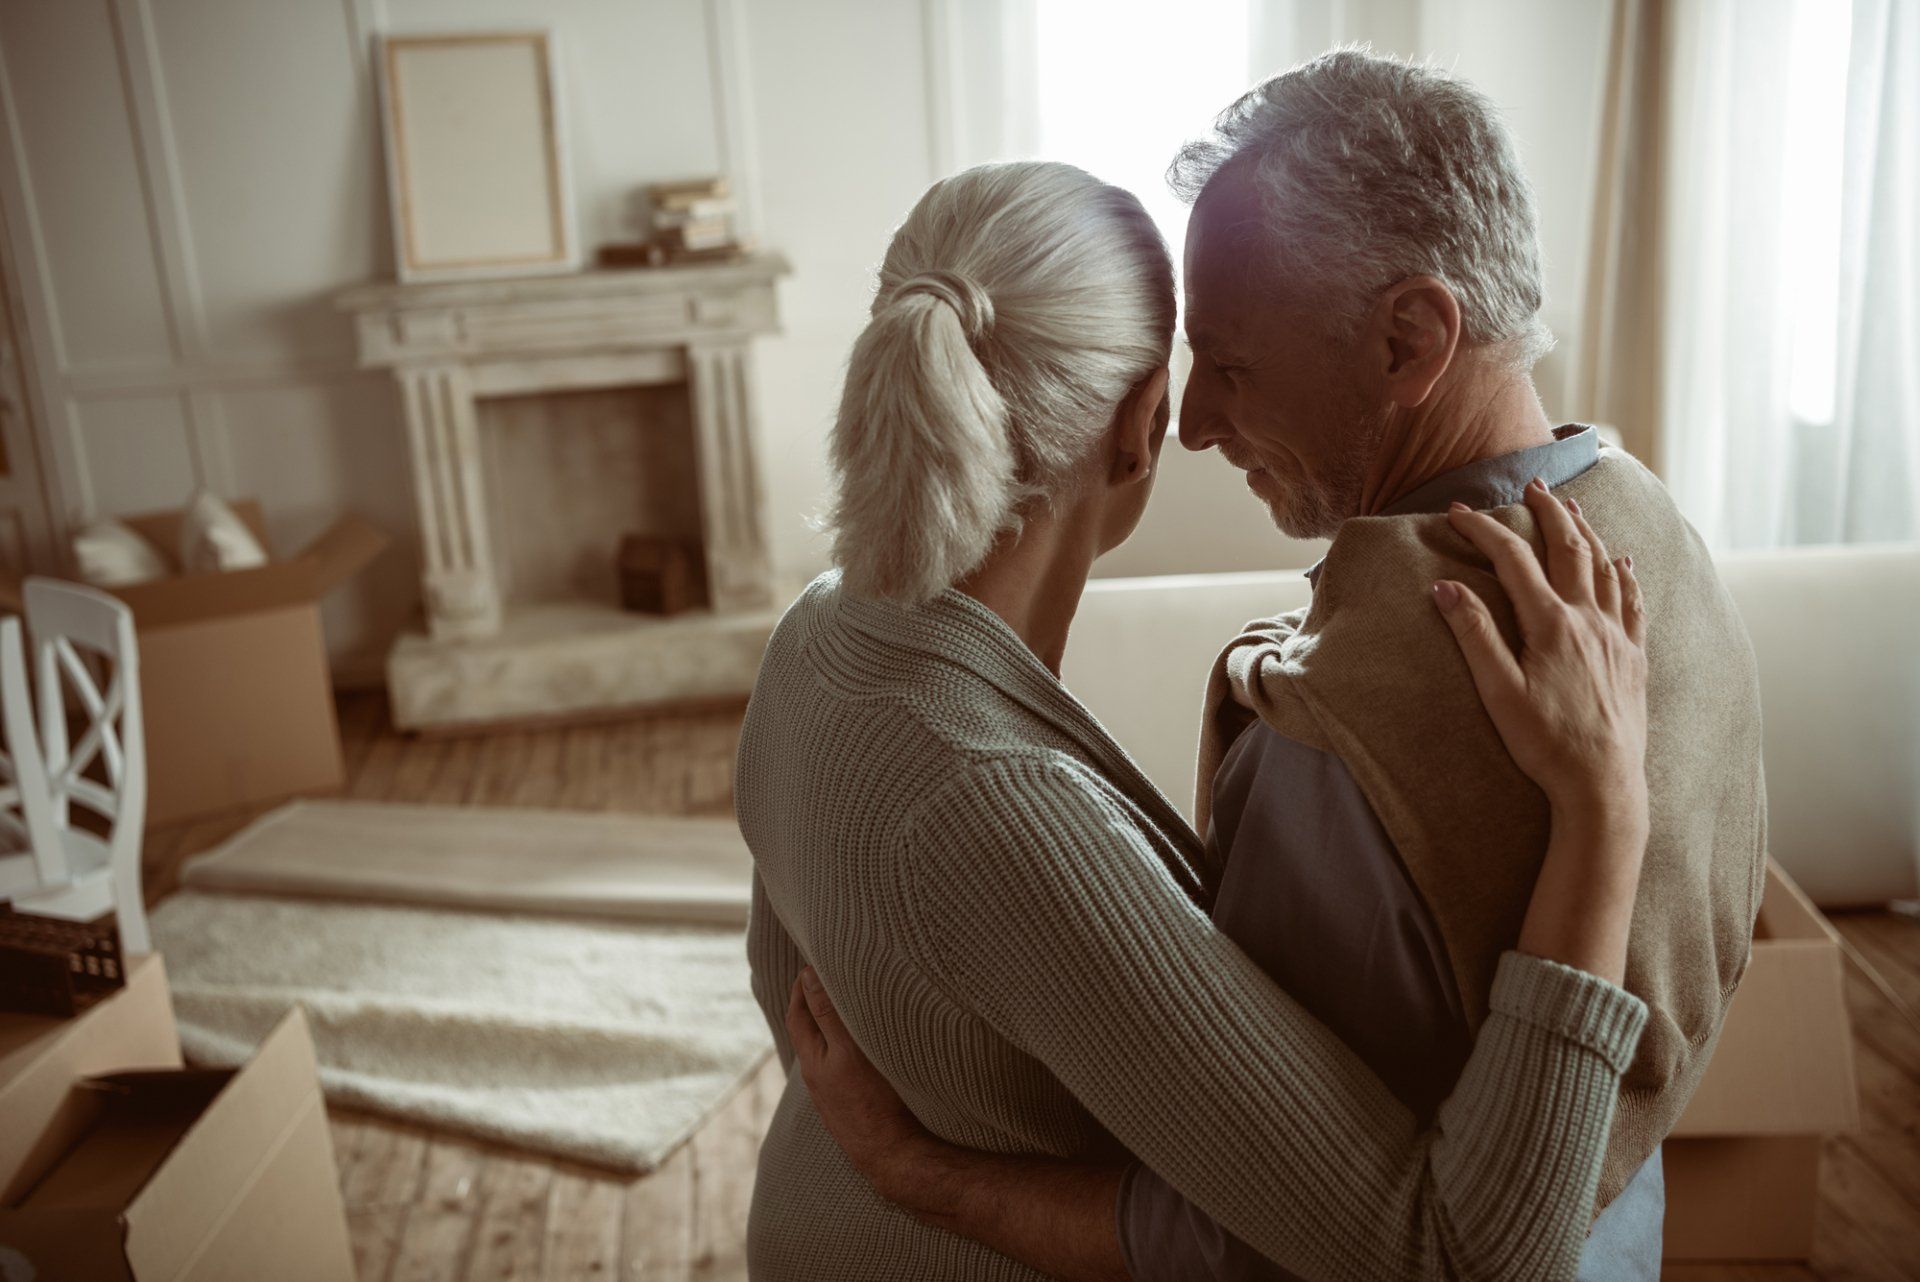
[
  {"x": 192, "y": 1175},
  {"x": 1743, "y": 1163},
  {"x": 235, "y": 689},
  {"x": 41, "y": 1056}
]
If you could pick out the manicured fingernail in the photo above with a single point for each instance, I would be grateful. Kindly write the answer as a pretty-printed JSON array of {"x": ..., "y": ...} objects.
[
  {"x": 1458, "y": 506},
  {"x": 1446, "y": 594},
  {"x": 809, "y": 980},
  {"x": 1573, "y": 506},
  {"x": 1628, "y": 558},
  {"x": 1538, "y": 484}
]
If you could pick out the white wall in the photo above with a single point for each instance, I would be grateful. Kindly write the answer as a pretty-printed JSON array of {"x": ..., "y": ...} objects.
[
  {"x": 187, "y": 183},
  {"x": 1543, "y": 62}
]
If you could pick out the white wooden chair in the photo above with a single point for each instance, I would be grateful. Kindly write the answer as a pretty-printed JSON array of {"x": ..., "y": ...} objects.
[
  {"x": 69, "y": 871},
  {"x": 26, "y": 807}
]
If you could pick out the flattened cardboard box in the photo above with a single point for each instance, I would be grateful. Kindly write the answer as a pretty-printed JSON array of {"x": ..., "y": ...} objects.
[
  {"x": 235, "y": 688},
  {"x": 194, "y": 1175},
  {"x": 1743, "y": 1163}
]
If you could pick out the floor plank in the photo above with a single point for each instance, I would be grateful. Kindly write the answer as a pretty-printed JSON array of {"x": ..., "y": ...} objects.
[
  {"x": 510, "y": 1225},
  {"x": 438, "y": 1233},
  {"x": 723, "y": 1164},
  {"x": 376, "y": 1237},
  {"x": 656, "y": 1230},
  {"x": 1890, "y": 946},
  {"x": 387, "y": 1167},
  {"x": 427, "y": 1207},
  {"x": 583, "y": 1226}
]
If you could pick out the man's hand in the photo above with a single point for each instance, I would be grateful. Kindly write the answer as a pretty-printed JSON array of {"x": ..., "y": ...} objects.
[
  {"x": 862, "y": 1111},
  {"x": 1052, "y": 1215}
]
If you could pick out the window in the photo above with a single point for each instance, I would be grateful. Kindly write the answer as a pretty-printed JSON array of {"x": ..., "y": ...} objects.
[
  {"x": 1811, "y": 199},
  {"x": 1122, "y": 83}
]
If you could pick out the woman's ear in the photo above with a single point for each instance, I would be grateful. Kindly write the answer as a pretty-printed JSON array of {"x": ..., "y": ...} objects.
[{"x": 1139, "y": 427}]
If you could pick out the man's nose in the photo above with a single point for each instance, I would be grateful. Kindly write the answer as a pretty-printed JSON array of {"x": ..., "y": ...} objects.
[{"x": 1201, "y": 423}]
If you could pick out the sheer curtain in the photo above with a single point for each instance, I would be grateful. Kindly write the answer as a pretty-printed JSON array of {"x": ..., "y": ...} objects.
[{"x": 1790, "y": 351}]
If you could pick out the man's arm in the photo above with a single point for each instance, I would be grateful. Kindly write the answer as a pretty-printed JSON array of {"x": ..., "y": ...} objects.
[{"x": 1051, "y": 1215}]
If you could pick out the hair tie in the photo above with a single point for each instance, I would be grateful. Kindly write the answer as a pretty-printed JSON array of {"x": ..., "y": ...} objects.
[{"x": 969, "y": 302}]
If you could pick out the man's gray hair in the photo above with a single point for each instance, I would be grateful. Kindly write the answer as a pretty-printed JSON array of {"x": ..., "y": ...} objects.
[{"x": 1369, "y": 170}]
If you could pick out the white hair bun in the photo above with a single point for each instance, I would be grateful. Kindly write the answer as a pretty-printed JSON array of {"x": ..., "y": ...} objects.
[
  {"x": 1018, "y": 304},
  {"x": 972, "y": 304}
]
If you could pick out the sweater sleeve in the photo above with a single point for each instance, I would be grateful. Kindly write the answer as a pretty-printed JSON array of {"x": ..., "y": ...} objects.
[
  {"x": 775, "y": 962},
  {"x": 1044, "y": 910}
]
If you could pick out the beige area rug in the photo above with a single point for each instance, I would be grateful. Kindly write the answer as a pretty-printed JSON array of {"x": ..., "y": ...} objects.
[
  {"x": 634, "y": 867},
  {"x": 604, "y": 1041}
]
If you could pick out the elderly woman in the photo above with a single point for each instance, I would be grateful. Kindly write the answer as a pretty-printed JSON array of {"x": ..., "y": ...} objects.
[{"x": 1010, "y": 919}]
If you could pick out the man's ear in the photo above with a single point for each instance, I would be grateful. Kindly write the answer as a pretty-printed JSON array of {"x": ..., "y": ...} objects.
[
  {"x": 1415, "y": 328},
  {"x": 1138, "y": 428}
]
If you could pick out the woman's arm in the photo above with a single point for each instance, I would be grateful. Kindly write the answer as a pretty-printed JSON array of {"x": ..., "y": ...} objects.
[
  {"x": 1207, "y": 1071},
  {"x": 1503, "y": 1185}
]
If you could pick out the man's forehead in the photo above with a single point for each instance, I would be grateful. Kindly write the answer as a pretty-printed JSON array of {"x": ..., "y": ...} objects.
[
  {"x": 1221, "y": 233},
  {"x": 1217, "y": 292}
]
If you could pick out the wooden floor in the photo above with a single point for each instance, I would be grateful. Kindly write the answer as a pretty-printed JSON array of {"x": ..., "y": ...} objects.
[{"x": 427, "y": 1206}]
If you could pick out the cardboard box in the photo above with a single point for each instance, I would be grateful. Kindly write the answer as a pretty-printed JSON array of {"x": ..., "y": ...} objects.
[
  {"x": 1743, "y": 1163},
  {"x": 42, "y": 1056},
  {"x": 235, "y": 688},
  {"x": 193, "y": 1175}
]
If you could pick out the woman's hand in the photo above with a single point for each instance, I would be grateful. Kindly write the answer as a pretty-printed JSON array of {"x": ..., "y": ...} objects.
[
  {"x": 1571, "y": 706},
  {"x": 861, "y": 1110}
]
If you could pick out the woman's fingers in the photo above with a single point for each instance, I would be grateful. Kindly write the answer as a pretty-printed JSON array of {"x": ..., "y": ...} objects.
[
  {"x": 1496, "y": 673},
  {"x": 1633, "y": 609},
  {"x": 1606, "y": 584},
  {"x": 1513, "y": 560},
  {"x": 1569, "y": 557}
]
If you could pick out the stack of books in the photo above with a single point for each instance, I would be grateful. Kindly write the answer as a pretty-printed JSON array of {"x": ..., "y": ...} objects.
[
  {"x": 693, "y": 221},
  {"x": 686, "y": 222}
]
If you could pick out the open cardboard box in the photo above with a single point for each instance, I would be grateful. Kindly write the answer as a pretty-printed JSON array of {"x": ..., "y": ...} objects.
[
  {"x": 1743, "y": 1163},
  {"x": 191, "y": 1175},
  {"x": 235, "y": 688},
  {"x": 41, "y": 1056}
]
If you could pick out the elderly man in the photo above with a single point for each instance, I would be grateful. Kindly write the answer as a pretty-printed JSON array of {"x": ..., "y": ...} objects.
[{"x": 1363, "y": 288}]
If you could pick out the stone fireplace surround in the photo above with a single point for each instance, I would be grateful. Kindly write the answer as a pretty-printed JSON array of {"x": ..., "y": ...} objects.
[{"x": 490, "y": 655}]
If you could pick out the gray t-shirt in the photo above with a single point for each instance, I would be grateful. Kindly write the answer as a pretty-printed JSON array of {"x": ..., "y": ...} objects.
[{"x": 1314, "y": 893}]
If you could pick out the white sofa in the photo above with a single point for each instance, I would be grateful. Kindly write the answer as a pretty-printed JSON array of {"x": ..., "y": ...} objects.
[{"x": 1837, "y": 635}]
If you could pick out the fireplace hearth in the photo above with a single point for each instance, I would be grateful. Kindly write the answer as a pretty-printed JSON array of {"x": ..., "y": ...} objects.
[{"x": 547, "y": 419}]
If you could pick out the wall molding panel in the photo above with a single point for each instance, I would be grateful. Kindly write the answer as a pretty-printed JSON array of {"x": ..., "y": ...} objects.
[
  {"x": 128, "y": 432},
  {"x": 731, "y": 68},
  {"x": 941, "y": 38},
  {"x": 202, "y": 395}
]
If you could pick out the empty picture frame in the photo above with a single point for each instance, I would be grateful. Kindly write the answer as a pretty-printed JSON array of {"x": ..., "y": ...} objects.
[{"x": 476, "y": 170}]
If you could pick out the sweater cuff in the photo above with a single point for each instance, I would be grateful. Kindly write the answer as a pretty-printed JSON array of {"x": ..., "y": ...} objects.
[{"x": 1571, "y": 1004}]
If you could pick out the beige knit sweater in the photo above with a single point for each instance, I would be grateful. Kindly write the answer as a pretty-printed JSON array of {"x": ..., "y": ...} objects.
[
  {"x": 1012, "y": 921},
  {"x": 1371, "y": 674}
]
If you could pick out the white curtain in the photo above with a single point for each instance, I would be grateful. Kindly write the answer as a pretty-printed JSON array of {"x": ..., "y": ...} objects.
[{"x": 1790, "y": 400}]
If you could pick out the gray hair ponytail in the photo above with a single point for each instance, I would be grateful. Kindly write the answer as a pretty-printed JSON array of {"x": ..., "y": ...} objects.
[{"x": 1017, "y": 306}]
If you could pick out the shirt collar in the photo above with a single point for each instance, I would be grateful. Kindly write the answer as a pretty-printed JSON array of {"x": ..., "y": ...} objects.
[{"x": 1501, "y": 480}]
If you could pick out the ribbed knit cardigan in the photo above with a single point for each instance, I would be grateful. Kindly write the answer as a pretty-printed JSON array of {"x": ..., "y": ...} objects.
[{"x": 1012, "y": 921}]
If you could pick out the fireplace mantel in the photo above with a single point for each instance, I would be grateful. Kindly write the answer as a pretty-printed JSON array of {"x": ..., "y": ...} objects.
[{"x": 452, "y": 345}]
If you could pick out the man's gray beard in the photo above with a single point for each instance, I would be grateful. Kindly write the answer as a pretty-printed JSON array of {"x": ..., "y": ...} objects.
[{"x": 1316, "y": 511}]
